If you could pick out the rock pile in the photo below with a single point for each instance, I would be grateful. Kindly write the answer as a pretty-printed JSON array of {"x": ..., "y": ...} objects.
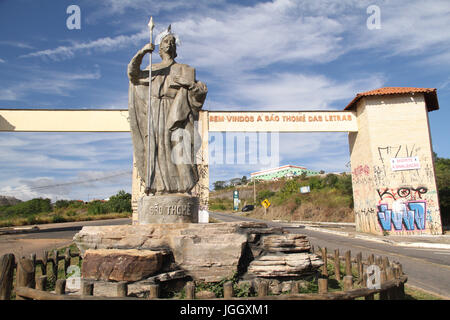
[{"x": 156, "y": 253}]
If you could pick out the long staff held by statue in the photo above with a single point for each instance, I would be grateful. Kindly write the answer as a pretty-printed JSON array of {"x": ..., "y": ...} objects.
[{"x": 149, "y": 111}]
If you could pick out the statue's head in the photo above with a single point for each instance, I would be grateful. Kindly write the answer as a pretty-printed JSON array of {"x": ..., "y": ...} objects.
[{"x": 168, "y": 46}]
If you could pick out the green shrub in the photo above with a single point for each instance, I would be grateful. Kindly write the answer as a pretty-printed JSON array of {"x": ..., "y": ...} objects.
[
  {"x": 58, "y": 218},
  {"x": 121, "y": 202},
  {"x": 62, "y": 204},
  {"x": 264, "y": 194},
  {"x": 290, "y": 187},
  {"x": 97, "y": 207},
  {"x": 33, "y": 206}
]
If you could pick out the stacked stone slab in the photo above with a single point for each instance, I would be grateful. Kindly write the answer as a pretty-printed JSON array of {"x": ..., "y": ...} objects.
[{"x": 145, "y": 254}]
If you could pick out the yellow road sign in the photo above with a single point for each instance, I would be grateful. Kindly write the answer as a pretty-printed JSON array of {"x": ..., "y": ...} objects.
[{"x": 265, "y": 203}]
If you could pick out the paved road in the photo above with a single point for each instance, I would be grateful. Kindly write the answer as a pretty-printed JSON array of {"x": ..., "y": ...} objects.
[
  {"x": 50, "y": 237},
  {"x": 428, "y": 269}
]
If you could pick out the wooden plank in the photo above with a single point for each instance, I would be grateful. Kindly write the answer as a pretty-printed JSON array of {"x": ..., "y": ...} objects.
[
  {"x": 39, "y": 120},
  {"x": 7, "y": 263},
  {"x": 31, "y": 293}
]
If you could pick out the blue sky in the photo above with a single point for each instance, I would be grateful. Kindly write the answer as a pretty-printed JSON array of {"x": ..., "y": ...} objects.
[{"x": 253, "y": 55}]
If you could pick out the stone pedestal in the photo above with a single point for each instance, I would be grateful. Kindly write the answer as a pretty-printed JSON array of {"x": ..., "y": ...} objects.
[{"x": 167, "y": 209}]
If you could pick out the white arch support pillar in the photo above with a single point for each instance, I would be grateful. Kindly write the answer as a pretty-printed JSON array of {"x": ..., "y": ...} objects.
[{"x": 394, "y": 185}]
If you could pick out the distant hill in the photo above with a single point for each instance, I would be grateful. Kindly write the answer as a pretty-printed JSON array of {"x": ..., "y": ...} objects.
[{"x": 8, "y": 201}]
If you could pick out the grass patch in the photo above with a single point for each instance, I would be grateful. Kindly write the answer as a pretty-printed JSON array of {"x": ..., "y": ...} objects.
[{"x": 417, "y": 294}]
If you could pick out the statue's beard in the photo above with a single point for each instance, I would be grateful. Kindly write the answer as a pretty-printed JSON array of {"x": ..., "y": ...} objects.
[{"x": 167, "y": 51}]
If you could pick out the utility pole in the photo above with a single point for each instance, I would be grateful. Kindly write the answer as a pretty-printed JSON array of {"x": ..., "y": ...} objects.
[{"x": 254, "y": 191}]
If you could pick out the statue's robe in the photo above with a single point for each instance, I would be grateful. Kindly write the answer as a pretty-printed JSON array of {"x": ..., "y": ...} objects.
[{"x": 174, "y": 140}]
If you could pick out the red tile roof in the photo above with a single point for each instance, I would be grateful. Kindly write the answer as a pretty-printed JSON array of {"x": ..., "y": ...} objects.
[{"x": 430, "y": 94}]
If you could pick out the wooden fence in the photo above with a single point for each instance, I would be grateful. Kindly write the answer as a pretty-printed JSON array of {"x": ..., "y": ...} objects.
[{"x": 349, "y": 273}]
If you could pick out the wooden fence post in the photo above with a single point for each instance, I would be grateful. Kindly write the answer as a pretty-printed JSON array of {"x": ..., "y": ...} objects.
[
  {"x": 323, "y": 285},
  {"x": 55, "y": 264},
  {"x": 364, "y": 285},
  {"x": 122, "y": 289},
  {"x": 87, "y": 288},
  {"x": 348, "y": 283},
  {"x": 228, "y": 290},
  {"x": 360, "y": 267},
  {"x": 190, "y": 290},
  {"x": 44, "y": 263},
  {"x": 383, "y": 278},
  {"x": 66, "y": 260},
  {"x": 348, "y": 263},
  {"x": 337, "y": 265},
  {"x": 154, "y": 291},
  {"x": 386, "y": 263},
  {"x": 390, "y": 275},
  {"x": 60, "y": 287},
  {"x": 325, "y": 262},
  {"x": 25, "y": 274},
  {"x": 295, "y": 289},
  {"x": 371, "y": 259},
  {"x": 41, "y": 283},
  {"x": 263, "y": 288},
  {"x": 7, "y": 263}
]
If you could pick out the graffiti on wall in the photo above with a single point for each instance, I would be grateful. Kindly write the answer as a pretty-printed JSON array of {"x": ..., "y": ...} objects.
[
  {"x": 402, "y": 192},
  {"x": 403, "y": 215}
]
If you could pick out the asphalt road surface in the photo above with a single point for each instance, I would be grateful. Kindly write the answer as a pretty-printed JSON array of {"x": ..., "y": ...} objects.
[
  {"x": 428, "y": 269},
  {"x": 49, "y": 237}
]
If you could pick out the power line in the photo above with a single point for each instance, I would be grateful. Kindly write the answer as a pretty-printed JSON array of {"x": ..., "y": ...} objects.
[{"x": 75, "y": 182}]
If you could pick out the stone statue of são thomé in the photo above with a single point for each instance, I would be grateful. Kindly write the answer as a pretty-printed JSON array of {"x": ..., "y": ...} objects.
[{"x": 170, "y": 146}]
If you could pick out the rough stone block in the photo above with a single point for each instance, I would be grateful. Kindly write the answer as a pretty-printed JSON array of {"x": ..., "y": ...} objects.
[{"x": 120, "y": 265}]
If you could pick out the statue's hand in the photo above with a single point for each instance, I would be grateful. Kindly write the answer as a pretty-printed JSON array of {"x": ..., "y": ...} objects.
[{"x": 148, "y": 48}]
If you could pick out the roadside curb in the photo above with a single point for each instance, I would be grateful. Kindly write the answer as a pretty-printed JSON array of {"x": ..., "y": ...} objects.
[
  {"x": 19, "y": 230},
  {"x": 391, "y": 242},
  {"x": 55, "y": 228}
]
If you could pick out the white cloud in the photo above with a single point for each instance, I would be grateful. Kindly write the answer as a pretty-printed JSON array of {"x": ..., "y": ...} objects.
[
  {"x": 300, "y": 91},
  {"x": 18, "y": 44},
  {"x": 101, "y": 44},
  {"x": 2, "y": 61},
  {"x": 37, "y": 80}
]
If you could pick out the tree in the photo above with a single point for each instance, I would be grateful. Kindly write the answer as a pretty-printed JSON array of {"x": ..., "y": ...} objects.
[
  {"x": 121, "y": 202},
  {"x": 244, "y": 180},
  {"x": 442, "y": 171},
  {"x": 219, "y": 185},
  {"x": 321, "y": 171}
]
